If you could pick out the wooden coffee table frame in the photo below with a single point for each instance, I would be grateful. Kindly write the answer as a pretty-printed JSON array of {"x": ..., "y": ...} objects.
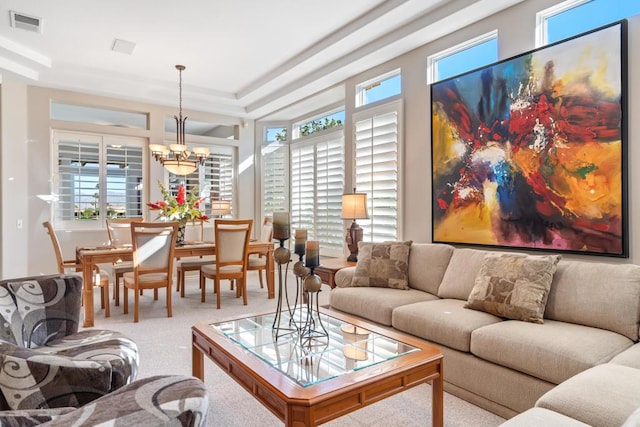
[{"x": 319, "y": 403}]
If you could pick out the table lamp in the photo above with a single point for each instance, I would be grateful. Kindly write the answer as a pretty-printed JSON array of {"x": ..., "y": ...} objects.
[
  {"x": 354, "y": 206},
  {"x": 220, "y": 208}
]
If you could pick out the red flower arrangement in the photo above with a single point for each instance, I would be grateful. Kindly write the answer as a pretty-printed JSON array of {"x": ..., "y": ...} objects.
[{"x": 182, "y": 208}]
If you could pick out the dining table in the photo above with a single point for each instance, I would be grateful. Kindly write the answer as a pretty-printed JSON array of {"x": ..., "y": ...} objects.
[{"x": 88, "y": 257}]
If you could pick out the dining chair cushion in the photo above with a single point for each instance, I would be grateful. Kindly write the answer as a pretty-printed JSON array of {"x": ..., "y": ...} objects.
[
  {"x": 122, "y": 267},
  {"x": 143, "y": 278},
  {"x": 196, "y": 262},
  {"x": 257, "y": 261},
  {"x": 211, "y": 269}
]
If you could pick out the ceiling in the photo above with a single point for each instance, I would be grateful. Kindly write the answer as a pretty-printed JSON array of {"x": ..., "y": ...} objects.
[{"x": 247, "y": 58}]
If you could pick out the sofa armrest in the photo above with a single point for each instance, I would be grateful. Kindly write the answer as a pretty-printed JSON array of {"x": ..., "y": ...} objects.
[
  {"x": 171, "y": 400},
  {"x": 31, "y": 379},
  {"x": 344, "y": 276}
]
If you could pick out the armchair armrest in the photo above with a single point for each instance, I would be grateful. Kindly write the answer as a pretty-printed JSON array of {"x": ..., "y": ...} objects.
[
  {"x": 344, "y": 276},
  {"x": 31, "y": 417},
  {"x": 32, "y": 379},
  {"x": 170, "y": 400}
]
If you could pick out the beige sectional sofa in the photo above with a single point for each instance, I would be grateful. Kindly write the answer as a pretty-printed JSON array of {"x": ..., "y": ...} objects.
[{"x": 591, "y": 318}]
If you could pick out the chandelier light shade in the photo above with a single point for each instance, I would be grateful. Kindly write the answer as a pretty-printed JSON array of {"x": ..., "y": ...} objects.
[
  {"x": 175, "y": 158},
  {"x": 354, "y": 206}
]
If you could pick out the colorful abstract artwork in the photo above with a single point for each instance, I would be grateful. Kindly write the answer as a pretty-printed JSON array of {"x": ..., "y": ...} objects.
[{"x": 530, "y": 152}]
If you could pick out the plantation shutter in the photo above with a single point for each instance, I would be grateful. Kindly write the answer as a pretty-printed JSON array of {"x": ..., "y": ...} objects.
[
  {"x": 124, "y": 181},
  {"x": 78, "y": 178},
  {"x": 302, "y": 189},
  {"x": 376, "y": 170},
  {"x": 274, "y": 186},
  {"x": 329, "y": 188},
  {"x": 317, "y": 183}
]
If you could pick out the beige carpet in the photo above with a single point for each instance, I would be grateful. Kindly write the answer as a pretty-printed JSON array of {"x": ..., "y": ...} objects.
[{"x": 165, "y": 348}]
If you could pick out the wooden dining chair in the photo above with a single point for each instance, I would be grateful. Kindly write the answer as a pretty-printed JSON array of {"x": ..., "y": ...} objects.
[
  {"x": 153, "y": 251},
  {"x": 119, "y": 231},
  {"x": 100, "y": 276},
  {"x": 193, "y": 232},
  {"x": 258, "y": 261},
  {"x": 232, "y": 250}
]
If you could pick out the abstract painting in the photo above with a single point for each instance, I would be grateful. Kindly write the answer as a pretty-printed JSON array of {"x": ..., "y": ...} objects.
[{"x": 530, "y": 152}]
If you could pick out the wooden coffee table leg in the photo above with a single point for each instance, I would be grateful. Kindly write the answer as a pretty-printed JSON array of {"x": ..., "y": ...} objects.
[
  {"x": 197, "y": 363},
  {"x": 437, "y": 400}
]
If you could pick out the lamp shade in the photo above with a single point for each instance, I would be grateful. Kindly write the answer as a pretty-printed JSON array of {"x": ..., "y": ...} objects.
[
  {"x": 220, "y": 207},
  {"x": 354, "y": 206}
]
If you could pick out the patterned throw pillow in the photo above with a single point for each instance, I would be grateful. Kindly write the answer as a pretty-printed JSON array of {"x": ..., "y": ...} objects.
[
  {"x": 383, "y": 265},
  {"x": 514, "y": 286}
]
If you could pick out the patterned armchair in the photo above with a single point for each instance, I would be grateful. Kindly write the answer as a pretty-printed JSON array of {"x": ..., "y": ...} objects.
[{"x": 44, "y": 361}]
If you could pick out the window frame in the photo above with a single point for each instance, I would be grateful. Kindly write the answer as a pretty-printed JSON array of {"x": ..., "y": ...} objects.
[
  {"x": 432, "y": 60},
  {"x": 543, "y": 16},
  {"x": 361, "y": 88},
  {"x": 103, "y": 141}
]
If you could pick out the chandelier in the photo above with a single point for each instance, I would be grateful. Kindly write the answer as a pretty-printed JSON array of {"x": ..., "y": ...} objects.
[{"x": 175, "y": 158}]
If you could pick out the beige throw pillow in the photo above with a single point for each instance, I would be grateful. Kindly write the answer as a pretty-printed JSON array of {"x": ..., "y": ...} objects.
[
  {"x": 514, "y": 286},
  {"x": 383, "y": 265}
]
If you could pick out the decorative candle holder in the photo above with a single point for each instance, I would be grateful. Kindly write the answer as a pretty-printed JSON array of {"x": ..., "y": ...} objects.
[
  {"x": 282, "y": 256},
  {"x": 312, "y": 330},
  {"x": 300, "y": 271}
]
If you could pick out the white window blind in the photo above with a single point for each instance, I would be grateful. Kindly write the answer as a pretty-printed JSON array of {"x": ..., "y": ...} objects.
[
  {"x": 274, "y": 184},
  {"x": 215, "y": 179},
  {"x": 317, "y": 183},
  {"x": 376, "y": 170},
  {"x": 96, "y": 177}
]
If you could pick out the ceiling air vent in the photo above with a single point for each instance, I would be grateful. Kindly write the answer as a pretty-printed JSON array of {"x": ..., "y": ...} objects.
[{"x": 25, "y": 22}]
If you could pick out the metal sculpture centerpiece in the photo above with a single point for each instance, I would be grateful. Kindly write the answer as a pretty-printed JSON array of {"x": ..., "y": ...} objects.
[{"x": 303, "y": 312}]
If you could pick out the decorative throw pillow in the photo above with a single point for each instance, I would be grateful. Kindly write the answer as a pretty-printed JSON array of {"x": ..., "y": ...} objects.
[
  {"x": 514, "y": 286},
  {"x": 383, "y": 265}
]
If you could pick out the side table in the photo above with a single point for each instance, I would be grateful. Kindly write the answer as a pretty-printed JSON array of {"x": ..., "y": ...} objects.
[{"x": 328, "y": 268}]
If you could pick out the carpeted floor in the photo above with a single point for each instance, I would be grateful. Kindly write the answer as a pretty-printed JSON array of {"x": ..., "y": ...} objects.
[{"x": 165, "y": 348}]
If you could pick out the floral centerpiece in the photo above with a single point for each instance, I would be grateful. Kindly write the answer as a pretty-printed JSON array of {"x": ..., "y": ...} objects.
[{"x": 182, "y": 208}]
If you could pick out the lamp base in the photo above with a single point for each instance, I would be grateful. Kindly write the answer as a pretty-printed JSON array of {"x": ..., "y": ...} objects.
[{"x": 354, "y": 235}]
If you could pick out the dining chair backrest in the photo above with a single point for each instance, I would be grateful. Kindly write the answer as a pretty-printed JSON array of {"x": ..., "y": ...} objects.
[
  {"x": 119, "y": 230},
  {"x": 194, "y": 231},
  {"x": 56, "y": 245},
  {"x": 153, "y": 246},
  {"x": 267, "y": 233},
  {"x": 232, "y": 241}
]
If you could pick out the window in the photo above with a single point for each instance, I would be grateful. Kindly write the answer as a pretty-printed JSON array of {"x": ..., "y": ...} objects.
[
  {"x": 377, "y": 140},
  {"x": 215, "y": 179},
  {"x": 577, "y": 16},
  {"x": 317, "y": 182},
  {"x": 275, "y": 161},
  {"x": 328, "y": 121},
  {"x": 382, "y": 87},
  {"x": 464, "y": 57},
  {"x": 96, "y": 177}
]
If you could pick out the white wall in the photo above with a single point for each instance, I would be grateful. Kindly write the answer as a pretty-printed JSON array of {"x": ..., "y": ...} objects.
[{"x": 14, "y": 176}]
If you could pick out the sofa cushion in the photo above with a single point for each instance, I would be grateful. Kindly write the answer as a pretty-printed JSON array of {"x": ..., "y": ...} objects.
[
  {"x": 443, "y": 321},
  {"x": 536, "y": 417},
  {"x": 427, "y": 265},
  {"x": 515, "y": 286},
  {"x": 383, "y": 265},
  {"x": 375, "y": 304},
  {"x": 553, "y": 351},
  {"x": 461, "y": 273},
  {"x": 596, "y": 294},
  {"x": 605, "y": 395},
  {"x": 629, "y": 357}
]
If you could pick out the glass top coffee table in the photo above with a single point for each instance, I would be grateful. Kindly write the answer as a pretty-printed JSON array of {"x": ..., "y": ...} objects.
[{"x": 310, "y": 382}]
